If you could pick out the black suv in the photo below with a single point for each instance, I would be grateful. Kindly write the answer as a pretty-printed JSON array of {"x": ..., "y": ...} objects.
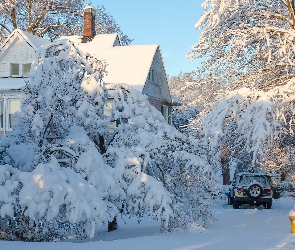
[{"x": 251, "y": 188}]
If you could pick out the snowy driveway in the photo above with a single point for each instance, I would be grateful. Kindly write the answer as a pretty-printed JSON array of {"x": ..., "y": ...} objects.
[{"x": 235, "y": 229}]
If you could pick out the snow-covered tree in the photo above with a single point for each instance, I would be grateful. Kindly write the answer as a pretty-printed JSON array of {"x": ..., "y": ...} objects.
[
  {"x": 64, "y": 173},
  {"x": 195, "y": 92},
  {"x": 248, "y": 46},
  {"x": 247, "y": 43},
  {"x": 251, "y": 123},
  {"x": 53, "y": 18},
  {"x": 145, "y": 144},
  {"x": 60, "y": 178}
]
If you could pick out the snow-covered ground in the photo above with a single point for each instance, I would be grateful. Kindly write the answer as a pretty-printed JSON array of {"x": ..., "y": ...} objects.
[{"x": 246, "y": 228}]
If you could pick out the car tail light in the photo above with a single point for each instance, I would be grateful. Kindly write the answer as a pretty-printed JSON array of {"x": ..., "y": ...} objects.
[
  {"x": 239, "y": 190},
  {"x": 268, "y": 191}
]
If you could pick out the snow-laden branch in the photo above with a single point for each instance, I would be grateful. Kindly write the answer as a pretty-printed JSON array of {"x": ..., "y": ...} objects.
[
  {"x": 241, "y": 39},
  {"x": 256, "y": 117}
]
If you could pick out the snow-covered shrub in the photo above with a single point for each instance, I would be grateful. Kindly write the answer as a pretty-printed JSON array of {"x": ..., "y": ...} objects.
[{"x": 144, "y": 143}]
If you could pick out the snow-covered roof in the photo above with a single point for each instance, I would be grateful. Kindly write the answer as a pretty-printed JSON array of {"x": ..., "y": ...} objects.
[
  {"x": 35, "y": 41},
  {"x": 11, "y": 83},
  {"x": 175, "y": 101},
  {"x": 32, "y": 40},
  {"x": 126, "y": 64},
  {"x": 101, "y": 41}
]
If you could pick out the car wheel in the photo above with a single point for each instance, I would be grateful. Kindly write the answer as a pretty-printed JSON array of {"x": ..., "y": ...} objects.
[
  {"x": 230, "y": 201},
  {"x": 268, "y": 205},
  {"x": 236, "y": 205},
  {"x": 255, "y": 191}
]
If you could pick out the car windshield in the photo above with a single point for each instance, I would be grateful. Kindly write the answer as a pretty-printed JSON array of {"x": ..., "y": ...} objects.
[{"x": 246, "y": 180}]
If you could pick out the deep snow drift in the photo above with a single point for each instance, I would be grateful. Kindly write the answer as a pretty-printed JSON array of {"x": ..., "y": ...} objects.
[{"x": 246, "y": 228}]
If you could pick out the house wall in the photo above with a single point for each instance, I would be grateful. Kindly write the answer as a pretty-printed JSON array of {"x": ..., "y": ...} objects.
[
  {"x": 156, "y": 88},
  {"x": 156, "y": 85},
  {"x": 17, "y": 52},
  {"x": 158, "y": 104},
  {"x": 20, "y": 53}
]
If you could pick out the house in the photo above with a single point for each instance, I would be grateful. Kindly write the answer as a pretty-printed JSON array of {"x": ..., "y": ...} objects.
[
  {"x": 139, "y": 66},
  {"x": 16, "y": 56}
]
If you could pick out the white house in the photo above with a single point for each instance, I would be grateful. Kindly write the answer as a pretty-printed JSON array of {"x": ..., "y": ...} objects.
[
  {"x": 139, "y": 66},
  {"x": 16, "y": 56}
]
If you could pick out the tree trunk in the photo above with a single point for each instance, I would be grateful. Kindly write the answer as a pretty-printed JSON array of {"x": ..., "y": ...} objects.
[
  {"x": 113, "y": 225},
  {"x": 225, "y": 168},
  {"x": 13, "y": 18}
]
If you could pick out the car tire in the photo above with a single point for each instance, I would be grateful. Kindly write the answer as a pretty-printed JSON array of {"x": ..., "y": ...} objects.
[
  {"x": 236, "y": 205},
  {"x": 255, "y": 191},
  {"x": 268, "y": 205},
  {"x": 230, "y": 201}
]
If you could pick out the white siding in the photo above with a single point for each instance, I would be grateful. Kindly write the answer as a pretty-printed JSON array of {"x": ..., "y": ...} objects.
[
  {"x": 20, "y": 52},
  {"x": 156, "y": 85}
]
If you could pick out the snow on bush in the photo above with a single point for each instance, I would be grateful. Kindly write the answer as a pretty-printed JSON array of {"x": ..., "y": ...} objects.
[
  {"x": 64, "y": 173},
  {"x": 144, "y": 143}
]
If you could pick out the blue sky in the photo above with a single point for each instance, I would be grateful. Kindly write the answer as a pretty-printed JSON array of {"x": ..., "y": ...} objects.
[{"x": 169, "y": 23}]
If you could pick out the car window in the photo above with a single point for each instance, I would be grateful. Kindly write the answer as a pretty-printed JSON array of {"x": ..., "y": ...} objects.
[{"x": 248, "y": 180}]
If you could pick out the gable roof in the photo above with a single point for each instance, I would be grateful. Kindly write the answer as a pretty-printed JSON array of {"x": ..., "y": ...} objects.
[
  {"x": 129, "y": 64},
  {"x": 34, "y": 41},
  {"x": 99, "y": 42},
  {"x": 126, "y": 64}
]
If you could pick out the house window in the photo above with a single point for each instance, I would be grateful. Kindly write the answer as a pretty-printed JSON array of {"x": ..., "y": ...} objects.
[
  {"x": 1, "y": 114},
  {"x": 14, "y": 69},
  {"x": 108, "y": 109},
  {"x": 26, "y": 69},
  {"x": 151, "y": 75},
  {"x": 13, "y": 108},
  {"x": 17, "y": 70},
  {"x": 164, "y": 111},
  {"x": 170, "y": 115},
  {"x": 9, "y": 108},
  {"x": 108, "y": 112}
]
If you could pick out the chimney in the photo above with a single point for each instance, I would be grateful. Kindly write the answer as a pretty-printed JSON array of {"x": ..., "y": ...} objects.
[{"x": 89, "y": 24}]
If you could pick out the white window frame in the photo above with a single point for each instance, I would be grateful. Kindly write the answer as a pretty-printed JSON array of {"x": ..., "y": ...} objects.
[
  {"x": 20, "y": 69},
  {"x": 6, "y": 121},
  {"x": 23, "y": 65},
  {"x": 9, "y": 128},
  {"x": 108, "y": 110}
]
